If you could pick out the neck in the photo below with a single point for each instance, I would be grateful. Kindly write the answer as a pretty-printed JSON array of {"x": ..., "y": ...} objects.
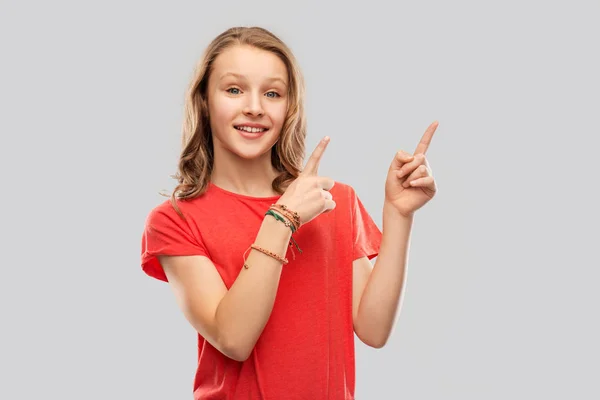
[{"x": 247, "y": 177}]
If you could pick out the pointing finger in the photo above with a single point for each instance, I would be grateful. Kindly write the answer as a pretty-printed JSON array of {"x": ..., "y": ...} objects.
[
  {"x": 312, "y": 166},
  {"x": 426, "y": 139}
]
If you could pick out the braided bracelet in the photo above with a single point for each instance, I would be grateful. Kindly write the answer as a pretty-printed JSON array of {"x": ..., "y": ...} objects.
[
  {"x": 267, "y": 252},
  {"x": 285, "y": 221},
  {"x": 295, "y": 217},
  {"x": 289, "y": 225},
  {"x": 287, "y": 214}
]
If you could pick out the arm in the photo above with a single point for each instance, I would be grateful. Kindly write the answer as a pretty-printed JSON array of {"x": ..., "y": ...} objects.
[
  {"x": 233, "y": 320},
  {"x": 377, "y": 290}
]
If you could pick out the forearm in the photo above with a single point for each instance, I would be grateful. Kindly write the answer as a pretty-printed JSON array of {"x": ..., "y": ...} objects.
[
  {"x": 244, "y": 311},
  {"x": 381, "y": 298}
]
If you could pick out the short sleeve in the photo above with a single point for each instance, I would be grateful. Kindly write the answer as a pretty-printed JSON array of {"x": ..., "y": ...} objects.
[
  {"x": 366, "y": 234},
  {"x": 166, "y": 233}
]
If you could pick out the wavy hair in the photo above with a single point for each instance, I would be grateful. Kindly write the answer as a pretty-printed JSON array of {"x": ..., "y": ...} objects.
[{"x": 197, "y": 156}]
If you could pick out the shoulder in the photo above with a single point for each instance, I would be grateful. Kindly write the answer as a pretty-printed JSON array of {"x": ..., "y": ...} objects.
[
  {"x": 185, "y": 206},
  {"x": 160, "y": 217},
  {"x": 343, "y": 189},
  {"x": 344, "y": 195},
  {"x": 186, "y": 214},
  {"x": 165, "y": 208},
  {"x": 165, "y": 212}
]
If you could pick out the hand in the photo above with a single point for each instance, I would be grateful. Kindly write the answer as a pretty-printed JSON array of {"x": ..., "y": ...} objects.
[
  {"x": 410, "y": 184},
  {"x": 308, "y": 194}
]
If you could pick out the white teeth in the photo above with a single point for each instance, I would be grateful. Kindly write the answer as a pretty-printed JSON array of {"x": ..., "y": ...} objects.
[{"x": 248, "y": 129}]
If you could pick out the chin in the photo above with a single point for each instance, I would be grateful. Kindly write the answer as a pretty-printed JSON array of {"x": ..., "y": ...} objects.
[
  {"x": 249, "y": 152},
  {"x": 252, "y": 149}
]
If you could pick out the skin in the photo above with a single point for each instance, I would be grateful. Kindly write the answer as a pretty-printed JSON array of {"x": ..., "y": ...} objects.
[
  {"x": 378, "y": 289},
  {"x": 256, "y": 93}
]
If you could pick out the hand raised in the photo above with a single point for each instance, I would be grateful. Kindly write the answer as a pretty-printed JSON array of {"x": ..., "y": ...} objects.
[
  {"x": 410, "y": 183},
  {"x": 308, "y": 194}
]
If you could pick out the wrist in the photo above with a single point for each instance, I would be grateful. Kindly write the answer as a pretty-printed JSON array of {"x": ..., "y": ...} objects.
[
  {"x": 282, "y": 213},
  {"x": 274, "y": 221},
  {"x": 391, "y": 212}
]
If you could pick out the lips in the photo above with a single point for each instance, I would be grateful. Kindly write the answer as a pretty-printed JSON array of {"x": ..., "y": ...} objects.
[
  {"x": 250, "y": 132},
  {"x": 251, "y": 129}
]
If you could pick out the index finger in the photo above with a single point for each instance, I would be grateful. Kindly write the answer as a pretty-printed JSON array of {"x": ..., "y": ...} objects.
[
  {"x": 426, "y": 139},
  {"x": 312, "y": 166}
]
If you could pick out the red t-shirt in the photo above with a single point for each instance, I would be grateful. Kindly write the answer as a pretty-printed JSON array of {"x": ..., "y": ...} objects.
[{"x": 306, "y": 350}]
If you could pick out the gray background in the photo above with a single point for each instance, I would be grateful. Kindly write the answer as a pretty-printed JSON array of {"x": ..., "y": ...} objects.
[{"x": 501, "y": 298}]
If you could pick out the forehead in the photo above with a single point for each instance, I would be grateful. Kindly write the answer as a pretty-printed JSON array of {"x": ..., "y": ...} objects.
[{"x": 253, "y": 63}]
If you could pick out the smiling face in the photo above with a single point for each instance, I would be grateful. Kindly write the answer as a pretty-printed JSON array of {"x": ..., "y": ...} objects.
[{"x": 247, "y": 101}]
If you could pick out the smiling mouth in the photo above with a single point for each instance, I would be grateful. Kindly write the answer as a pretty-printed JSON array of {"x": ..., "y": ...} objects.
[{"x": 250, "y": 130}]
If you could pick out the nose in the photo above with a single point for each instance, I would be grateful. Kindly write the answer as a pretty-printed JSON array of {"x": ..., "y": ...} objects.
[{"x": 254, "y": 106}]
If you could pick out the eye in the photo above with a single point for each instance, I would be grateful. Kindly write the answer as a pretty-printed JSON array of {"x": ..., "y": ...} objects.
[
  {"x": 233, "y": 88},
  {"x": 274, "y": 93}
]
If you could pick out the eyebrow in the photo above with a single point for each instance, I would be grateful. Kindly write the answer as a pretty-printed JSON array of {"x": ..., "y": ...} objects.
[{"x": 272, "y": 79}]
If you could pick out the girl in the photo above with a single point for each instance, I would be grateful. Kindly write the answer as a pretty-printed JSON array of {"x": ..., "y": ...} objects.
[{"x": 275, "y": 321}]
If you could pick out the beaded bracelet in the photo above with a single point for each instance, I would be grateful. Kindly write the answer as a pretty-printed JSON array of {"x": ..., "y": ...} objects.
[
  {"x": 267, "y": 252},
  {"x": 295, "y": 217},
  {"x": 293, "y": 224},
  {"x": 285, "y": 221},
  {"x": 291, "y": 219},
  {"x": 289, "y": 225},
  {"x": 285, "y": 214}
]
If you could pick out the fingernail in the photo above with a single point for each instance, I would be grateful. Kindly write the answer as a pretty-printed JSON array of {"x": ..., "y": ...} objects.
[{"x": 326, "y": 138}]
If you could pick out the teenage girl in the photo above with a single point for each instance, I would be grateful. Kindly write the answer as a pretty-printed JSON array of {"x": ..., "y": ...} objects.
[{"x": 270, "y": 262}]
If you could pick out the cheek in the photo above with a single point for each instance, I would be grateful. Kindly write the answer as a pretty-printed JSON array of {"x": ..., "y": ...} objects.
[
  {"x": 222, "y": 111},
  {"x": 277, "y": 113}
]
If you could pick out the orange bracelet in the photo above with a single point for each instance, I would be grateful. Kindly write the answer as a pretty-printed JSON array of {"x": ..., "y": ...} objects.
[
  {"x": 267, "y": 252},
  {"x": 287, "y": 216},
  {"x": 283, "y": 207},
  {"x": 287, "y": 219},
  {"x": 290, "y": 215}
]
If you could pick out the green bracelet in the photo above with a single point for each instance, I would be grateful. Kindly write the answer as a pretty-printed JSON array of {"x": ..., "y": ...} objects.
[
  {"x": 280, "y": 218},
  {"x": 291, "y": 226}
]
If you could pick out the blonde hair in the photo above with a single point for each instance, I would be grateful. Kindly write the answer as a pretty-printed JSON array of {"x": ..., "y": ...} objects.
[{"x": 197, "y": 155}]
